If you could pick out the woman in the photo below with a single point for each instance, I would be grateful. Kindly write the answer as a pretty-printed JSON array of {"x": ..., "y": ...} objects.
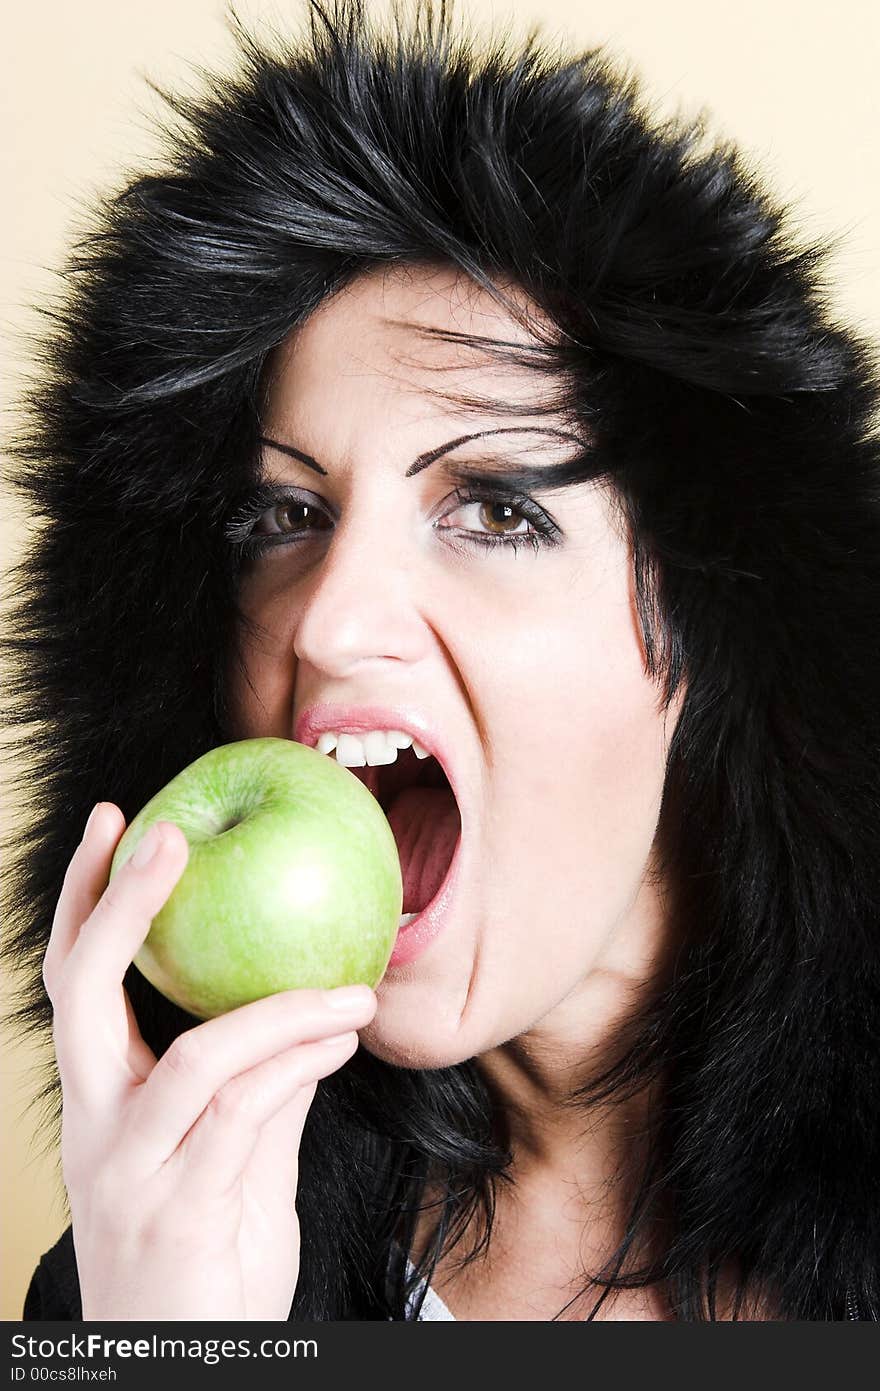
[{"x": 448, "y": 395}]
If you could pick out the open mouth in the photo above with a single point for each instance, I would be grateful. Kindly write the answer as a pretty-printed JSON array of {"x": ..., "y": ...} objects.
[{"x": 416, "y": 797}]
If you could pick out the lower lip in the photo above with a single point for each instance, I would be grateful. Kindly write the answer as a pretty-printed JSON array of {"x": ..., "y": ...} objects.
[{"x": 418, "y": 935}]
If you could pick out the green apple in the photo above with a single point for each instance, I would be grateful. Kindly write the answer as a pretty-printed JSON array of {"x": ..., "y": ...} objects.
[{"x": 293, "y": 879}]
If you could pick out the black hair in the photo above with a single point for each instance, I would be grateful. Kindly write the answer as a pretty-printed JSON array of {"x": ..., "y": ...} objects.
[{"x": 734, "y": 420}]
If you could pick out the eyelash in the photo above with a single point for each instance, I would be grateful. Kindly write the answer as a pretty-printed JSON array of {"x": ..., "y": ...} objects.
[{"x": 239, "y": 530}]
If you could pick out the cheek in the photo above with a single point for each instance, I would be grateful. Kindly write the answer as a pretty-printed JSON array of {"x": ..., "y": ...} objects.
[
  {"x": 584, "y": 746},
  {"x": 623, "y": 757}
]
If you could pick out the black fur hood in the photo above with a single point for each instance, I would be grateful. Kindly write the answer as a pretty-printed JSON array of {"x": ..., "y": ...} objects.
[{"x": 736, "y": 418}]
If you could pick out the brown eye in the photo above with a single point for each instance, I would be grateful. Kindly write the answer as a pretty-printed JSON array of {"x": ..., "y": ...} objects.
[
  {"x": 500, "y": 517},
  {"x": 496, "y": 518},
  {"x": 290, "y": 517},
  {"x": 506, "y": 522}
]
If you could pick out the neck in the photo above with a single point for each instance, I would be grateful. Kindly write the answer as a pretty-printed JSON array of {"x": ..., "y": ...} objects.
[
  {"x": 573, "y": 1167},
  {"x": 534, "y": 1078}
]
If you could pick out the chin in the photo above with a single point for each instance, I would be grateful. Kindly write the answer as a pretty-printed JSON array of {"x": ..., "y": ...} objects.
[{"x": 402, "y": 1050}]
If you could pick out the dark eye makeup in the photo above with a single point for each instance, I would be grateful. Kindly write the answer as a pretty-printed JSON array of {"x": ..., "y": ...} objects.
[{"x": 279, "y": 500}]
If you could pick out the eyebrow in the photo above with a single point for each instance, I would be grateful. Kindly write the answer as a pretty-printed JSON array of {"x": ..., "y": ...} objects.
[{"x": 425, "y": 460}]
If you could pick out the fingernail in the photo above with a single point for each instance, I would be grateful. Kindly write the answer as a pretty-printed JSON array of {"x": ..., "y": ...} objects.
[
  {"x": 93, "y": 814},
  {"x": 347, "y": 997},
  {"x": 147, "y": 847}
]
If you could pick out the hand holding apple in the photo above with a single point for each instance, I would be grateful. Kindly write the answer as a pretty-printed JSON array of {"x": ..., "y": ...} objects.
[
  {"x": 293, "y": 878},
  {"x": 181, "y": 1171}
]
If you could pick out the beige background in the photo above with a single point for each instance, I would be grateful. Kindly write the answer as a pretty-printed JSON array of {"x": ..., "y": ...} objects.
[{"x": 793, "y": 81}]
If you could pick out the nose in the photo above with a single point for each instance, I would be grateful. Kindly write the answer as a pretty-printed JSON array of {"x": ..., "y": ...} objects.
[{"x": 359, "y": 601}]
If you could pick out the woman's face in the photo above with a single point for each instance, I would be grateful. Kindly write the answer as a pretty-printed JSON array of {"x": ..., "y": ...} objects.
[{"x": 527, "y": 660}]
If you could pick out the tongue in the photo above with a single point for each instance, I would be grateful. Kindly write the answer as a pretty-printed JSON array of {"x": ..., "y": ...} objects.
[{"x": 426, "y": 825}]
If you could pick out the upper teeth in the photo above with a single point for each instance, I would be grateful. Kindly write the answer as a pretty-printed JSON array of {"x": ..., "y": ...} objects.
[{"x": 377, "y": 747}]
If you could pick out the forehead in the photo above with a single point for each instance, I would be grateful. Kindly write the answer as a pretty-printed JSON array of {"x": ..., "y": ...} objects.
[{"x": 370, "y": 336}]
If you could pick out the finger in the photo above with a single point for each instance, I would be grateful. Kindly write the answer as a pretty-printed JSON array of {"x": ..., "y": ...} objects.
[
  {"x": 139, "y": 1055},
  {"x": 219, "y": 1146},
  {"x": 204, "y": 1059},
  {"x": 95, "y": 1032},
  {"x": 115, "y": 930},
  {"x": 83, "y": 885},
  {"x": 273, "y": 1164},
  {"x": 100, "y": 1063}
]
